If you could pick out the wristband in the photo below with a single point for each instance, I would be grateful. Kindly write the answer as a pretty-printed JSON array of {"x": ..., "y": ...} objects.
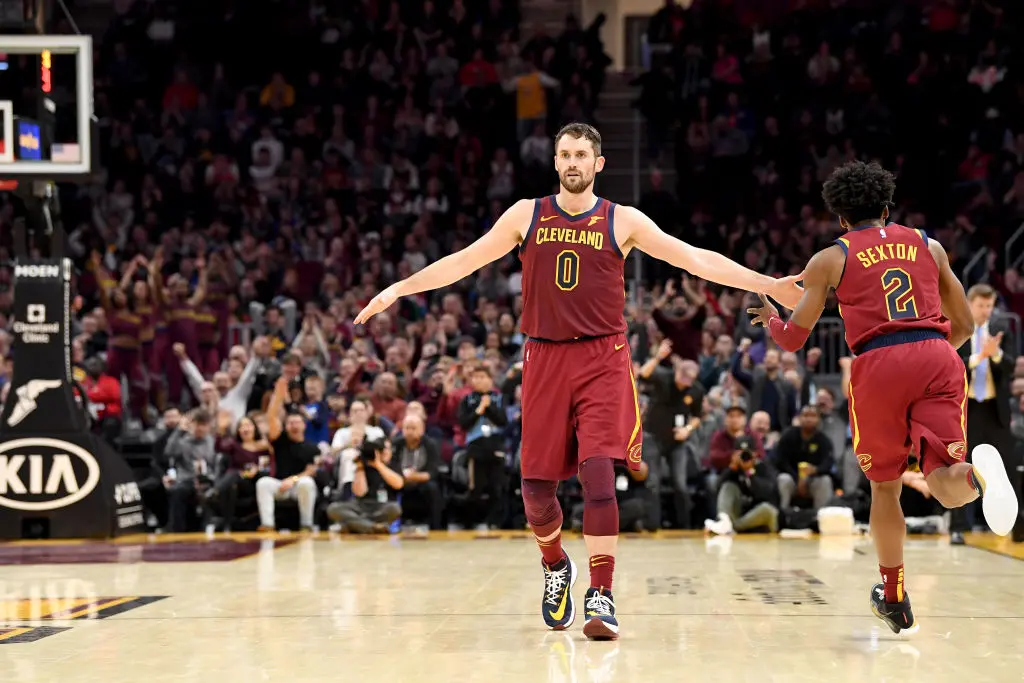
[{"x": 788, "y": 335}]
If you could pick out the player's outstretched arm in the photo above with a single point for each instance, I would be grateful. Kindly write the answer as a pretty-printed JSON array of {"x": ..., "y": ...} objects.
[
  {"x": 954, "y": 300},
  {"x": 650, "y": 239},
  {"x": 822, "y": 273},
  {"x": 503, "y": 236}
]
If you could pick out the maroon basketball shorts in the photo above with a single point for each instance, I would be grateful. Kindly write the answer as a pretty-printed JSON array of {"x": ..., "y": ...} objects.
[
  {"x": 579, "y": 402},
  {"x": 908, "y": 396}
]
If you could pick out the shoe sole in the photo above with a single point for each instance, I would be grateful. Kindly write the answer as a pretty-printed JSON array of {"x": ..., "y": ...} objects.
[
  {"x": 572, "y": 603},
  {"x": 999, "y": 503},
  {"x": 597, "y": 629},
  {"x": 893, "y": 627}
]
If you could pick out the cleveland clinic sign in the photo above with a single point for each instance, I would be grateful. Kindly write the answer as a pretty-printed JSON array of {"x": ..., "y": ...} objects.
[{"x": 58, "y": 479}]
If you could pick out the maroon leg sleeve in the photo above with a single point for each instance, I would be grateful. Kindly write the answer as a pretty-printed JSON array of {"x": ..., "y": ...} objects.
[
  {"x": 600, "y": 509},
  {"x": 544, "y": 515}
]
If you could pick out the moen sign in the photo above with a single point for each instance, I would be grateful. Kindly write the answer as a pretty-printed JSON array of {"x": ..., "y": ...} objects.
[{"x": 55, "y": 475}]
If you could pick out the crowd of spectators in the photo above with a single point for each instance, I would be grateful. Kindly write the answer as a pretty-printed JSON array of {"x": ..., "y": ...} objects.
[
  {"x": 247, "y": 211},
  {"x": 755, "y": 103}
]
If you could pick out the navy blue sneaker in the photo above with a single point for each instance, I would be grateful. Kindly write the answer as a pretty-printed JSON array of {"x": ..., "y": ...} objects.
[
  {"x": 601, "y": 623},
  {"x": 557, "y": 607},
  {"x": 897, "y": 616}
]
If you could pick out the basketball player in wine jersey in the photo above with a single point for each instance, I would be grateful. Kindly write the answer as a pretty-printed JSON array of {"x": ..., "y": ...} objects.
[
  {"x": 906, "y": 314},
  {"x": 580, "y": 409}
]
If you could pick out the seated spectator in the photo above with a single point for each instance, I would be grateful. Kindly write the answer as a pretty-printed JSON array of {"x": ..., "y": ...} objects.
[
  {"x": 747, "y": 500},
  {"x": 805, "y": 460},
  {"x": 483, "y": 418},
  {"x": 295, "y": 463},
  {"x": 386, "y": 401},
  {"x": 418, "y": 457},
  {"x": 248, "y": 457},
  {"x": 191, "y": 461},
  {"x": 152, "y": 487},
  {"x": 834, "y": 423},
  {"x": 760, "y": 426},
  {"x": 375, "y": 488},
  {"x": 316, "y": 412},
  {"x": 104, "y": 394}
]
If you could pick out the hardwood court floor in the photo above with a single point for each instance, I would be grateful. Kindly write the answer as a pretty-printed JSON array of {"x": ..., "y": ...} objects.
[{"x": 455, "y": 609}]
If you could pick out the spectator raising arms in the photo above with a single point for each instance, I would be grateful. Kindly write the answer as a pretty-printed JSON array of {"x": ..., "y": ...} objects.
[{"x": 295, "y": 463}]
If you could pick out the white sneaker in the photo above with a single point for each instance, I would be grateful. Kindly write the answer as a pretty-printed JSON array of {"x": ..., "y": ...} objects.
[
  {"x": 998, "y": 502},
  {"x": 722, "y": 526}
]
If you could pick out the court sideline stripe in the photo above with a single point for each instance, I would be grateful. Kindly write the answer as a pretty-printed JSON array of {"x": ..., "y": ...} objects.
[{"x": 420, "y": 615}]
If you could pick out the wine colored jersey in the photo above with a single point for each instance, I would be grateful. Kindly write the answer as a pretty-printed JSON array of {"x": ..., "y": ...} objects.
[
  {"x": 573, "y": 283},
  {"x": 890, "y": 284}
]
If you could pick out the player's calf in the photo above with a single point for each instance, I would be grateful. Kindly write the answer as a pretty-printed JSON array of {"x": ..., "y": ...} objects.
[
  {"x": 961, "y": 483},
  {"x": 600, "y": 531},
  {"x": 545, "y": 517},
  {"x": 600, "y": 518}
]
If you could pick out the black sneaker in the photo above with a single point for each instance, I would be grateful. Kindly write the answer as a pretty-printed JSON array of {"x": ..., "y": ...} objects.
[
  {"x": 557, "y": 607},
  {"x": 897, "y": 616},
  {"x": 600, "y": 611}
]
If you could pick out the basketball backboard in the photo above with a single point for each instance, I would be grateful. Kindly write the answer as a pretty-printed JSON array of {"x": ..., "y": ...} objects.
[{"x": 46, "y": 107}]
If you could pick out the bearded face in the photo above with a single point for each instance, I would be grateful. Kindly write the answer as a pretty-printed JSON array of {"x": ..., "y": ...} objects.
[{"x": 577, "y": 164}]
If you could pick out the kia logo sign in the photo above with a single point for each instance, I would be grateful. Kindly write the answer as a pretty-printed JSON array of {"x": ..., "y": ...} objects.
[{"x": 45, "y": 474}]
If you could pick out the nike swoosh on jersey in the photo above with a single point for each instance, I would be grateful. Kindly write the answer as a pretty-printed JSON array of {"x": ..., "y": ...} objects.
[
  {"x": 545, "y": 219},
  {"x": 619, "y": 346}
]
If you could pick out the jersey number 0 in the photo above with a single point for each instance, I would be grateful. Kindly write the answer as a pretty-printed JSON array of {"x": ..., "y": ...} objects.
[
  {"x": 567, "y": 270},
  {"x": 899, "y": 297}
]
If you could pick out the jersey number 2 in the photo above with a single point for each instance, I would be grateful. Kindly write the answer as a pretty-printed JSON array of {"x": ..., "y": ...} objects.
[
  {"x": 567, "y": 270},
  {"x": 899, "y": 296}
]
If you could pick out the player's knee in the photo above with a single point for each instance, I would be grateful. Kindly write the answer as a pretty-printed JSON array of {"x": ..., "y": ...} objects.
[
  {"x": 597, "y": 477},
  {"x": 600, "y": 509},
  {"x": 540, "y": 501},
  {"x": 891, "y": 489}
]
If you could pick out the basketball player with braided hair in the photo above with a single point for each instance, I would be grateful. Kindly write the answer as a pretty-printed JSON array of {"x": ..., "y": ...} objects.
[{"x": 905, "y": 314}]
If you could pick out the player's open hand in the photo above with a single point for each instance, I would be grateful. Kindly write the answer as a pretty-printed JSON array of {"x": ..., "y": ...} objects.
[
  {"x": 786, "y": 290},
  {"x": 761, "y": 314},
  {"x": 379, "y": 303}
]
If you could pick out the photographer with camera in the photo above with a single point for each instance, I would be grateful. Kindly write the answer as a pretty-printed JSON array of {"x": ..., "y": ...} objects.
[
  {"x": 723, "y": 445},
  {"x": 747, "y": 499},
  {"x": 375, "y": 488},
  {"x": 348, "y": 440}
]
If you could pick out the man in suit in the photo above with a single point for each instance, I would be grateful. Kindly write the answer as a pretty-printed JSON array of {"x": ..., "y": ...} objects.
[{"x": 989, "y": 364}]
